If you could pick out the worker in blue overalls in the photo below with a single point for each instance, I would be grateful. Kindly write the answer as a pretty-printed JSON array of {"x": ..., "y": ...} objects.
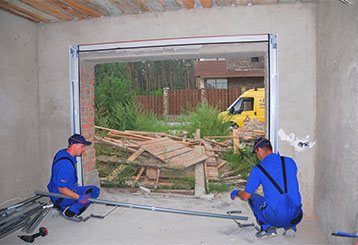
[
  {"x": 64, "y": 179},
  {"x": 281, "y": 207}
]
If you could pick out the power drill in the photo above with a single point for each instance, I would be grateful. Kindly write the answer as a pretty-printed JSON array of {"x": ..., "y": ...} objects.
[{"x": 42, "y": 232}]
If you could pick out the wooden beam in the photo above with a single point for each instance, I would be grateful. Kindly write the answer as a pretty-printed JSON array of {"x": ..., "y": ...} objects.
[
  {"x": 141, "y": 6},
  {"x": 135, "y": 155},
  {"x": 95, "y": 7},
  {"x": 138, "y": 176},
  {"x": 125, "y": 7},
  {"x": 200, "y": 182},
  {"x": 236, "y": 139},
  {"x": 81, "y": 8},
  {"x": 32, "y": 15},
  {"x": 221, "y": 164},
  {"x": 20, "y": 14},
  {"x": 223, "y": 2},
  {"x": 189, "y": 4},
  {"x": 157, "y": 179},
  {"x": 206, "y": 3},
  {"x": 65, "y": 8},
  {"x": 115, "y": 173},
  {"x": 47, "y": 9}
]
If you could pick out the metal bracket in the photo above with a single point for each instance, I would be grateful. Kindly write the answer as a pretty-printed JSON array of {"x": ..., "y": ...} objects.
[{"x": 273, "y": 39}]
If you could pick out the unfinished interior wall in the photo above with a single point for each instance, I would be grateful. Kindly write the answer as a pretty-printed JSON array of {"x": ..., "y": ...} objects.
[
  {"x": 336, "y": 190},
  {"x": 296, "y": 69},
  {"x": 20, "y": 168}
]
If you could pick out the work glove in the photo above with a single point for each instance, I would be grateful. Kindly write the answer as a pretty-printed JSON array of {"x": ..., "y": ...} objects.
[
  {"x": 234, "y": 194},
  {"x": 83, "y": 199}
]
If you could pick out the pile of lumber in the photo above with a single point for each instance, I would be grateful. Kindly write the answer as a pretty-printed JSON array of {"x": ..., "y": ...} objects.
[{"x": 161, "y": 158}]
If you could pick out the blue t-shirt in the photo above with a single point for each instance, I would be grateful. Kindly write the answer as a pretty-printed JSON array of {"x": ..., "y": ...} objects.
[
  {"x": 272, "y": 164},
  {"x": 63, "y": 173}
]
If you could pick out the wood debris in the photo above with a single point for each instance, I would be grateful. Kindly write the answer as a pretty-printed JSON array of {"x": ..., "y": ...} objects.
[{"x": 162, "y": 161}]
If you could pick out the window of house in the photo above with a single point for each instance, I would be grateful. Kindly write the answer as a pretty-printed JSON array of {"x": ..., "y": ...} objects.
[
  {"x": 216, "y": 83},
  {"x": 254, "y": 59}
]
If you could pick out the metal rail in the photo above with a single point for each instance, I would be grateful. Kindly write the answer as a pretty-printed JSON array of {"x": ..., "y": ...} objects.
[
  {"x": 5, "y": 212},
  {"x": 131, "y": 205}
]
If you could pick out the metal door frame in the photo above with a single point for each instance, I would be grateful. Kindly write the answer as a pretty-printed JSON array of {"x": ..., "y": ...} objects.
[{"x": 272, "y": 86}]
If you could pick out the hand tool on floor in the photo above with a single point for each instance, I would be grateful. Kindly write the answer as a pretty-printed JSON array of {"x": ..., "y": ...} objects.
[
  {"x": 344, "y": 234},
  {"x": 238, "y": 223},
  {"x": 99, "y": 216},
  {"x": 42, "y": 232},
  {"x": 131, "y": 205}
]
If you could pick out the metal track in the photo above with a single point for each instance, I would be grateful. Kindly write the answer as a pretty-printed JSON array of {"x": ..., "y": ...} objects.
[{"x": 130, "y": 205}]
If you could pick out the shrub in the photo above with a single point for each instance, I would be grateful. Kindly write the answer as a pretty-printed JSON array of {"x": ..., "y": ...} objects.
[{"x": 205, "y": 118}]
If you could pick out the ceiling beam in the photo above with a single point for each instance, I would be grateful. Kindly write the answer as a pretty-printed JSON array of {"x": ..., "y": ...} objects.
[
  {"x": 206, "y": 3},
  {"x": 141, "y": 6},
  {"x": 241, "y": 2},
  {"x": 22, "y": 15},
  {"x": 65, "y": 9},
  {"x": 189, "y": 4},
  {"x": 95, "y": 7},
  {"x": 47, "y": 9},
  {"x": 221, "y": 3},
  {"x": 126, "y": 6},
  {"x": 81, "y": 8},
  {"x": 32, "y": 15}
]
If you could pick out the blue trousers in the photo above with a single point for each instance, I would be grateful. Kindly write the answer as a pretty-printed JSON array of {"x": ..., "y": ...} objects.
[
  {"x": 264, "y": 214},
  {"x": 74, "y": 205}
]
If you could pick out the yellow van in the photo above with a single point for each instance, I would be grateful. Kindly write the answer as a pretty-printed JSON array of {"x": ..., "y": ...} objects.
[{"x": 250, "y": 105}]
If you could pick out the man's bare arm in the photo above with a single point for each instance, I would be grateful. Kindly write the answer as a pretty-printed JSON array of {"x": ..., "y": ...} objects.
[
  {"x": 67, "y": 192},
  {"x": 244, "y": 195}
]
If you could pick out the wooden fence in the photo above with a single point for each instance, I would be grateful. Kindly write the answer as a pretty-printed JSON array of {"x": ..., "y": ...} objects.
[
  {"x": 152, "y": 103},
  {"x": 179, "y": 100}
]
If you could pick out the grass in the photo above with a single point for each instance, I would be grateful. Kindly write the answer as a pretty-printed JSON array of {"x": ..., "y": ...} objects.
[
  {"x": 243, "y": 162},
  {"x": 219, "y": 187}
]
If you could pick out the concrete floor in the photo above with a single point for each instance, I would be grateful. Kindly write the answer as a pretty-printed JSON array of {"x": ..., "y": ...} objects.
[{"x": 135, "y": 226}]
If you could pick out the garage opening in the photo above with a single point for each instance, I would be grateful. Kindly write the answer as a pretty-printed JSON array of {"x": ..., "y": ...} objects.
[{"x": 84, "y": 58}]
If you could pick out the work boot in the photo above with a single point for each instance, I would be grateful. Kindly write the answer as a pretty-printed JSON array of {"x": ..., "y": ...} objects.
[
  {"x": 270, "y": 232},
  {"x": 289, "y": 232}
]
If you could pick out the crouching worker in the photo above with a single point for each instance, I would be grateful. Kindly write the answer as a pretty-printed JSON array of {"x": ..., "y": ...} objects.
[
  {"x": 281, "y": 207},
  {"x": 64, "y": 180}
]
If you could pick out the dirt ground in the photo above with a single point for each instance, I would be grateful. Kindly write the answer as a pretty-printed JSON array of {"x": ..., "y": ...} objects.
[{"x": 135, "y": 226}]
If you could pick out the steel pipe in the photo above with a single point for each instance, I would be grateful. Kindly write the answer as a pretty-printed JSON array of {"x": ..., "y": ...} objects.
[{"x": 131, "y": 205}]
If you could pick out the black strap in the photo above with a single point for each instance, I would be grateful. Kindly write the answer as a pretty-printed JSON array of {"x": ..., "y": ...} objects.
[
  {"x": 284, "y": 173},
  {"x": 73, "y": 164},
  {"x": 272, "y": 180}
]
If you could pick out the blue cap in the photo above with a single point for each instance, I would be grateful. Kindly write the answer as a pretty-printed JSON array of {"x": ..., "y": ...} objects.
[
  {"x": 261, "y": 142},
  {"x": 78, "y": 139}
]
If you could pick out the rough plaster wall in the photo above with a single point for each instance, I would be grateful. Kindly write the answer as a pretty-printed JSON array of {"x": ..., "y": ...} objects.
[
  {"x": 336, "y": 190},
  {"x": 20, "y": 168},
  {"x": 294, "y": 24}
]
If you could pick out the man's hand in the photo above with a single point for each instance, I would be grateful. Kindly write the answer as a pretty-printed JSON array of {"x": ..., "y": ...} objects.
[
  {"x": 234, "y": 194},
  {"x": 83, "y": 199}
]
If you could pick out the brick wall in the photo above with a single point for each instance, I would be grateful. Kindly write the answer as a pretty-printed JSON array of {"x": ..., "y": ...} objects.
[{"x": 87, "y": 115}]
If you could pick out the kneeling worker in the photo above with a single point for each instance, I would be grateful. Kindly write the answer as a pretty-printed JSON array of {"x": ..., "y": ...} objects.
[
  {"x": 281, "y": 207},
  {"x": 64, "y": 179}
]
